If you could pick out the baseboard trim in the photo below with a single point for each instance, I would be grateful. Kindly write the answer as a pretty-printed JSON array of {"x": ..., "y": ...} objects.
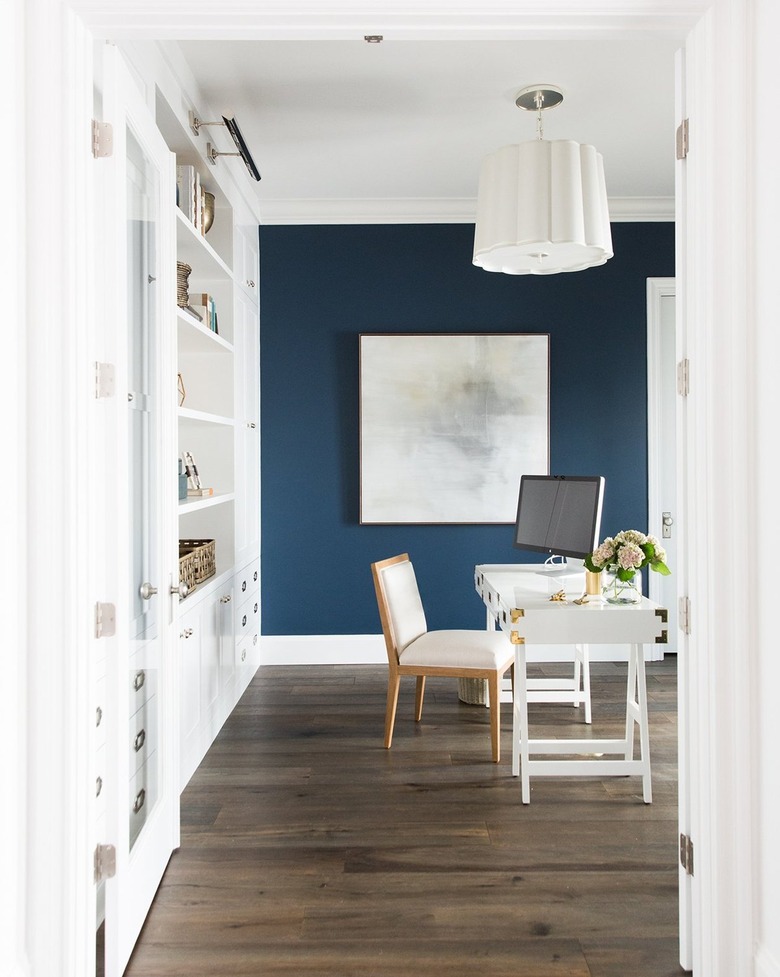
[
  {"x": 322, "y": 649},
  {"x": 369, "y": 649}
]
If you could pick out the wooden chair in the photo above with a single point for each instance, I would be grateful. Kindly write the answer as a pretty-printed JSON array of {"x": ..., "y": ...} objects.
[{"x": 414, "y": 650}]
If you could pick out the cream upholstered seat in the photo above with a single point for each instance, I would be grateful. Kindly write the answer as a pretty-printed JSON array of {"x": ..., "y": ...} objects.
[{"x": 414, "y": 650}]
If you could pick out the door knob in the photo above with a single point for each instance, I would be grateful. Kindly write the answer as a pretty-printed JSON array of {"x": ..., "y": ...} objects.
[
  {"x": 147, "y": 591},
  {"x": 667, "y": 523},
  {"x": 180, "y": 590}
]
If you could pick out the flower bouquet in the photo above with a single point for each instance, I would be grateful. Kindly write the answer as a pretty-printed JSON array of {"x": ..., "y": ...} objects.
[{"x": 621, "y": 557}]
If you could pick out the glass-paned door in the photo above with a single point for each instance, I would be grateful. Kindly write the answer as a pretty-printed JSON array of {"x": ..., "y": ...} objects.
[{"x": 142, "y": 808}]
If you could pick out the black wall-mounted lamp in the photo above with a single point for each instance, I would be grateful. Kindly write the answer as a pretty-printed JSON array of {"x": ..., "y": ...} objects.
[{"x": 212, "y": 154}]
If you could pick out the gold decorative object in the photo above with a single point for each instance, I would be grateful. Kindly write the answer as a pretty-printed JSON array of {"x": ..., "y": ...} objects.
[
  {"x": 180, "y": 387},
  {"x": 592, "y": 583},
  {"x": 581, "y": 600},
  {"x": 208, "y": 211},
  {"x": 559, "y": 596}
]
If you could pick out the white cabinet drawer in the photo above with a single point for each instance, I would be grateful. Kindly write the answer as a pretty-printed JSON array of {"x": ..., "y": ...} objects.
[
  {"x": 247, "y": 616},
  {"x": 247, "y": 652},
  {"x": 247, "y": 581},
  {"x": 143, "y": 795},
  {"x": 142, "y": 733},
  {"x": 100, "y": 782},
  {"x": 142, "y": 684}
]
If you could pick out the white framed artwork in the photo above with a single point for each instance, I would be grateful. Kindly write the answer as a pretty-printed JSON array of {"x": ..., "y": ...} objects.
[{"x": 449, "y": 423}]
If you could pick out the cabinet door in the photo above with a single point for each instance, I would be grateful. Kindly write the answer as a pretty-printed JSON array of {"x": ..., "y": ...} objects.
[
  {"x": 141, "y": 793},
  {"x": 245, "y": 263},
  {"x": 247, "y": 430}
]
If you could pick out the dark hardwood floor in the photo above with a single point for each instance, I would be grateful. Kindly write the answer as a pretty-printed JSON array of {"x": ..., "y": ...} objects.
[{"x": 308, "y": 850}]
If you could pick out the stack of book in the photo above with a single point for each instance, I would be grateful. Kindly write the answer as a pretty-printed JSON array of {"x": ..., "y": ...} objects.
[{"x": 203, "y": 304}]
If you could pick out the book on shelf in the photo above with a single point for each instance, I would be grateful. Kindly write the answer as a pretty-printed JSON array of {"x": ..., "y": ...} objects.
[
  {"x": 185, "y": 190},
  {"x": 207, "y": 309},
  {"x": 199, "y": 492},
  {"x": 198, "y": 204}
]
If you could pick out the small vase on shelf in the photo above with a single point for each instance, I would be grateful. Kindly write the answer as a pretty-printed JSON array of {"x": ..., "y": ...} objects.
[{"x": 617, "y": 591}]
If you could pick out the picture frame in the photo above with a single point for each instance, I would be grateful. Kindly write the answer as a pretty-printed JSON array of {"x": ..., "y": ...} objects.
[{"x": 448, "y": 424}]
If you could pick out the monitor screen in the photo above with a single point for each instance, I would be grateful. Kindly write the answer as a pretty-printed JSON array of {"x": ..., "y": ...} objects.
[{"x": 559, "y": 514}]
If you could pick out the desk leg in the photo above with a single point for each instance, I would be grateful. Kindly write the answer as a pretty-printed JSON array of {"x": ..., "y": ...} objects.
[
  {"x": 631, "y": 716},
  {"x": 644, "y": 726},
  {"x": 520, "y": 724},
  {"x": 582, "y": 668},
  {"x": 636, "y": 712}
]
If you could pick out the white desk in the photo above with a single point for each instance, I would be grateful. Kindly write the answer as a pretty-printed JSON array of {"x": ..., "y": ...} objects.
[{"x": 517, "y": 600}]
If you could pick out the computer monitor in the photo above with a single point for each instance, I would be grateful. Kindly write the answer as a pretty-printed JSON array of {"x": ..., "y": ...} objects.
[{"x": 559, "y": 514}]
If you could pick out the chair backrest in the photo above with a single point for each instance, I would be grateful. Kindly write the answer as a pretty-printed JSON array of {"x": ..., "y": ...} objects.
[{"x": 400, "y": 607}]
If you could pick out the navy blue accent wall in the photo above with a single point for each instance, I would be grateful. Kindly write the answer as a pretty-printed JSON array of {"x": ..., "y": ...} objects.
[{"x": 322, "y": 286}]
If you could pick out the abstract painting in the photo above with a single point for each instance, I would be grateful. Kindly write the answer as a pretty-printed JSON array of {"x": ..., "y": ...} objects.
[{"x": 449, "y": 423}]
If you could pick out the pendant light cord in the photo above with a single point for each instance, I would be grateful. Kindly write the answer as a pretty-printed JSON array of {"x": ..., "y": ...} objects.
[{"x": 539, "y": 100}]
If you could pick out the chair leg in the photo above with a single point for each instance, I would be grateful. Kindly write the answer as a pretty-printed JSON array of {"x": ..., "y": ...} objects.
[
  {"x": 418, "y": 698},
  {"x": 495, "y": 715},
  {"x": 393, "y": 684}
]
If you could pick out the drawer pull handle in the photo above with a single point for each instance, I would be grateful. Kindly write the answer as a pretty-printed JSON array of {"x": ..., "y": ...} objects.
[
  {"x": 243, "y": 585},
  {"x": 226, "y": 599},
  {"x": 138, "y": 681},
  {"x": 243, "y": 621},
  {"x": 138, "y": 803},
  {"x": 140, "y": 739},
  {"x": 98, "y": 786},
  {"x": 254, "y": 639},
  {"x": 255, "y": 575},
  {"x": 255, "y": 607},
  {"x": 98, "y": 716},
  {"x": 243, "y": 655},
  {"x": 187, "y": 633}
]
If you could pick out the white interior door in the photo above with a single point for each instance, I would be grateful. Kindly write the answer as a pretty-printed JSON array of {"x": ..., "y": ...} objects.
[{"x": 142, "y": 803}]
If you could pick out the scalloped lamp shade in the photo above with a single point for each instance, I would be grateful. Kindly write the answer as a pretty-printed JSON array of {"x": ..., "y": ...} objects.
[{"x": 542, "y": 209}]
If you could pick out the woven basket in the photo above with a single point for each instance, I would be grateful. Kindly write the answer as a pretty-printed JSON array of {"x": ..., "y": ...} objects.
[
  {"x": 182, "y": 284},
  {"x": 473, "y": 691},
  {"x": 197, "y": 561}
]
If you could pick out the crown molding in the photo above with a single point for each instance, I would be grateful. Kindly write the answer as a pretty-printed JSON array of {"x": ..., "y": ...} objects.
[
  {"x": 398, "y": 19},
  {"x": 421, "y": 210}
]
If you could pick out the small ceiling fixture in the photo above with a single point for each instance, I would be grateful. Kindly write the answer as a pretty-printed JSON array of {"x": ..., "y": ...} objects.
[
  {"x": 542, "y": 205},
  {"x": 212, "y": 154}
]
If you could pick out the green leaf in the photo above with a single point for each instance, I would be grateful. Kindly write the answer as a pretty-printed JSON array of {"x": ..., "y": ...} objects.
[{"x": 661, "y": 568}]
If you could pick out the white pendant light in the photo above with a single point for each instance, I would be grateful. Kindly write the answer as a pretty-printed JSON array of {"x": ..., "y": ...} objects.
[{"x": 542, "y": 205}]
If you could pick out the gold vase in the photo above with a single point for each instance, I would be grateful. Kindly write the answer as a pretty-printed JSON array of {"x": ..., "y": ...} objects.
[
  {"x": 208, "y": 211},
  {"x": 592, "y": 583}
]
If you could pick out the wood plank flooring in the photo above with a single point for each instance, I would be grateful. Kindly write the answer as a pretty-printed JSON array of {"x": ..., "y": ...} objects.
[{"x": 310, "y": 851}]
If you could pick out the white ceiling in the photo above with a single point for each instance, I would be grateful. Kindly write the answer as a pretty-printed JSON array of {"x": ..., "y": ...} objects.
[{"x": 343, "y": 129}]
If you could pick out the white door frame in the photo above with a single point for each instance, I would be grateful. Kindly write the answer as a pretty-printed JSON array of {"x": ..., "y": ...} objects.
[
  {"x": 657, "y": 289},
  {"x": 723, "y": 343}
]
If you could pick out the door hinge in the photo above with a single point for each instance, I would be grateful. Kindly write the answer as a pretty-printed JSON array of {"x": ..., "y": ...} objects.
[
  {"x": 684, "y": 377},
  {"x": 682, "y": 140},
  {"x": 684, "y": 615},
  {"x": 102, "y": 139},
  {"x": 105, "y": 620},
  {"x": 105, "y": 862},
  {"x": 686, "y": 854},
  {"x": 104, "y": 380}
]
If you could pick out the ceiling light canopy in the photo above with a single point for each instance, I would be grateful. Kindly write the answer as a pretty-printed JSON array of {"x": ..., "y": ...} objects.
[{"x": 542, "y": 205}]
